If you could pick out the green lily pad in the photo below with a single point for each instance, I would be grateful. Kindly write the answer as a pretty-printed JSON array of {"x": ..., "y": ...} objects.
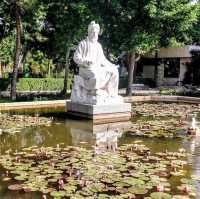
[
  {"x": 180, "y": 197},
  {"x": 20, "y": 178},
  {"x": 133, "y": 181},
  {"x": 138, "y": 190},
  {"x": 187, "y": 181},
  {"x": 69, "y": 188},
  {"x": 58, "y": 194},
  {"x": 160, "y": 195}
]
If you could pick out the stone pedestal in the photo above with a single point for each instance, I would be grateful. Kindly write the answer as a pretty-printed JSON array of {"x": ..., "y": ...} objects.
[
  {"x": 101, "y": 113},
  {"x": 83, "y": 132}
]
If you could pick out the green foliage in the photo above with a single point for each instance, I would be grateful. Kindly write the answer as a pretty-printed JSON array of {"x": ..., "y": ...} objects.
[
  {"x": 33, "y": 15},
  {"x": 69, "y": 21},
  {"x": 195, "y": 31},
  {"x": 39, "y": 84},
  {"x": 36, "y": 84},
  {"x": 174, "y": 43},
  {"x": 143, "y": 26},
  {"x": 7, "y": 49},
  {"x": 171, "y": 91},
  {"x": 34, "y": 26},
  {"x": 171, "y": 20},
  {"x": 37, "y": 63},
  {"x": 52, "y": 27}
]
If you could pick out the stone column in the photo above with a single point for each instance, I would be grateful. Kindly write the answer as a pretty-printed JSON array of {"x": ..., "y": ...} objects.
[
  {"x": 160, "y": 75},
  {"x": 183, "y": 69}
]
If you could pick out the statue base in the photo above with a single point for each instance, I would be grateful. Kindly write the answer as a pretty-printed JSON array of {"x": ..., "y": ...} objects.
[{"x": 100, "y": 113}]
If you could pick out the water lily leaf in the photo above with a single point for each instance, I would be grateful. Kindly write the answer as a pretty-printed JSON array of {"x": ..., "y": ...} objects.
[
  {"x": 121, "y": 184},
  {"x": 133, "y": 181},
  {"x": 69, "y": 188},
  {"x": 20, "y": 178},
  {"x": 187, "y": 181},
  {"x": 77, "y": 196},
  {"x": 180, "y": 197},
  {"x": 138, "y": 190},
  {"x": 160, "y": 195},
  {"x": 58, "y": 194},
  {"x": 103, "y": 196},
  {"x": 86, "y": 192},
  {"x": 97, "y": 187}
]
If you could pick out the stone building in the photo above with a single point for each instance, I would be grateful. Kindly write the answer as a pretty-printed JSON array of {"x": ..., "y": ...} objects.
[{"x": 167, "y": 67}]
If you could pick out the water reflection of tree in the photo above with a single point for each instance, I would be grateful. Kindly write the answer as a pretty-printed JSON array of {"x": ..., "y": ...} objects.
[{"x": 41, "y": 136}]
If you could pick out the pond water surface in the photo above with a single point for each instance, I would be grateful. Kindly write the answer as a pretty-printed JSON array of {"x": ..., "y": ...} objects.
[{"x": 66, "y": 131}]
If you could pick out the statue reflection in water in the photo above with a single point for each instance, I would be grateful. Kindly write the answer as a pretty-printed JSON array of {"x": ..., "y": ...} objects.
[
  {"x": 107, "y": 141},
  {"x": 103, "y": 137},
  {"x": 193, "y": 129}
]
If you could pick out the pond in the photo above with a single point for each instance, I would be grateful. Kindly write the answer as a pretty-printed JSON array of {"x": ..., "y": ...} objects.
[{"x": 150, "y": 156}]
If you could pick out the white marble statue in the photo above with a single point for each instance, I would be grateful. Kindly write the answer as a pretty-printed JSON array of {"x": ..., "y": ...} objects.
[{"x": 97, "y": 82}]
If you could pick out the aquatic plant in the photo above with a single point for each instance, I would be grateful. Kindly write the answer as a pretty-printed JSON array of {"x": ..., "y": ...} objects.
[
  {"x": 15, "y": 123},
  {"x": 72, "y": 172}
]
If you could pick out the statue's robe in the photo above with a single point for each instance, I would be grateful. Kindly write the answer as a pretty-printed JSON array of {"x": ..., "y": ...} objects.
[{"x": 102, "y": 74}]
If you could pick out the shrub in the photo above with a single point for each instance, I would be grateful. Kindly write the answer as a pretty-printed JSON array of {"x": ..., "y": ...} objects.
[
  {"x": 36, "y": 84},
  {"x": 172, "y": 91},
  {"x": 38, "y": 64}
]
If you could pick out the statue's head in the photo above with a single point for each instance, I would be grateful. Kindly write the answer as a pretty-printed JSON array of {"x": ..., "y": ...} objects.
[{"x": 93, "y": 31}]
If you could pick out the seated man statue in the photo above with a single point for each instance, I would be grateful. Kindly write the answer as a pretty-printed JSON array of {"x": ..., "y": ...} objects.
[{"x": 97, "y": 82}]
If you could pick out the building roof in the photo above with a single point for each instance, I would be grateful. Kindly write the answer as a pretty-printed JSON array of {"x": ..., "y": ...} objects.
[{"x": 174, "y": 52}]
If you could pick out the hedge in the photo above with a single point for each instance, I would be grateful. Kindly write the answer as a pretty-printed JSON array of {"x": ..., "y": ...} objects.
[{"x": 35, "y": 84}]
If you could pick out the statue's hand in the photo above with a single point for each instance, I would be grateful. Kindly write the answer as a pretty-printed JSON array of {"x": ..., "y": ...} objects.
[{"x": 88, "y": 63}]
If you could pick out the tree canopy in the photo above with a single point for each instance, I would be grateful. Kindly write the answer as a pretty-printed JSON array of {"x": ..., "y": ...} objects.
[{"x": 54, "y": 27}]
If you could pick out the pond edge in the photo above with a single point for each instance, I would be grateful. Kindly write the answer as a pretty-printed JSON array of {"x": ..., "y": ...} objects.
[{"x": 131, "y": 99}]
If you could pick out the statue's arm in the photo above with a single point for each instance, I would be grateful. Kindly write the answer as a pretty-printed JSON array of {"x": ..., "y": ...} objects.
[
  {"x": 105, "y": 61},
  {"x": 78, "y": 56}
]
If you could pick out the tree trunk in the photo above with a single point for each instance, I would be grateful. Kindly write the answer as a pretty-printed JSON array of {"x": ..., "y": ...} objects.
[
  {"x": 131, "y": 66},
  {"x": 17, "y": 53},
  {"x": 64, "y": 91},
  {"x": 156, "y": 69},
  {"x": 135, "y": 71}
]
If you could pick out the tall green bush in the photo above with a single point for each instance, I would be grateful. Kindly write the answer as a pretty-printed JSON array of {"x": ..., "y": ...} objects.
[
  {"x": 36, "y": 84},
  {"x": 37, "y": 63}
]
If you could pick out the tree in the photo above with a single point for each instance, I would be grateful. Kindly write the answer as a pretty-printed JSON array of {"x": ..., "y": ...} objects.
[
  {"x": 195, "y": 31},
  {"x": 17, "y": 49},
  {"x": 7, "y": 45},
  {"x": 140, "y": 26},
  {"x": 69, "y": 20},
  {"x": 25, "y": 17}
]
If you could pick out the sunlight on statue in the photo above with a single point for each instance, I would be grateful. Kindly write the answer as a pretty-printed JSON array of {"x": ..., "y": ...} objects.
[{"x": 98, "y": 79}]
